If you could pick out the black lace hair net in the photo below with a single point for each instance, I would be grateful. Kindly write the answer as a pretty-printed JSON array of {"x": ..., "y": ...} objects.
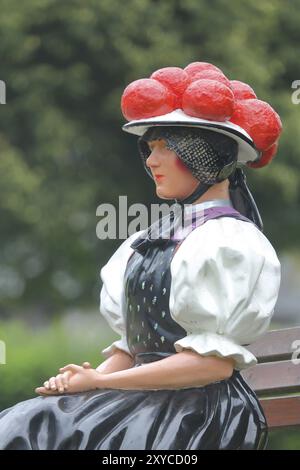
[{"x": 211, "y": 157}]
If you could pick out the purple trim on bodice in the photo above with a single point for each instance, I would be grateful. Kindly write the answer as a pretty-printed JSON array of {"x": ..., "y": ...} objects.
[
  {"x": 214, "y": 212},
  {"x": 198, "y": 218}
]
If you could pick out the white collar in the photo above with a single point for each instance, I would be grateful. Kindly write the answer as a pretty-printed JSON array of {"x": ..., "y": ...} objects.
[{"x": 191, "y": 208}]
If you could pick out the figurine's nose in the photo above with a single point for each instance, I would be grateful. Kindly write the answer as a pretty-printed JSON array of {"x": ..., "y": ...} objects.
[{"x": 153, "y": 160}]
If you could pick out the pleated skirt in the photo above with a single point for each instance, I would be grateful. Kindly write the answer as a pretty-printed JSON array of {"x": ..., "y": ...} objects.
[{"x": 220, "y": 415}]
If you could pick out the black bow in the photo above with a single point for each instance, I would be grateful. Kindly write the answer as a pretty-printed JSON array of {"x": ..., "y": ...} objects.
[{"x": 141, "y": 244}]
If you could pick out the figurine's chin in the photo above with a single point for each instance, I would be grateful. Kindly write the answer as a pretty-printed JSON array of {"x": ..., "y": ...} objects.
[{"x": 163, "y": 193}]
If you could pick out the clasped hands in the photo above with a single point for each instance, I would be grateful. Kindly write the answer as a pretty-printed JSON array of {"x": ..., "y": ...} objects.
[{"x": 71, "y": 379}]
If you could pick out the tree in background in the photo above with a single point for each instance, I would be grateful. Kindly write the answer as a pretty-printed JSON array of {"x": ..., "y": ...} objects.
[{"x": 65, "y": 65}]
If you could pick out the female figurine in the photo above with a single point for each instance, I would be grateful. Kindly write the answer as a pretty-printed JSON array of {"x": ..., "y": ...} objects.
[{"x": 185, "y": 300}]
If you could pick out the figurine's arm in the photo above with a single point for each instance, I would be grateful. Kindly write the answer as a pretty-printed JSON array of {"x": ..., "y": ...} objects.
[
  {"x": 181, "y": 370},
  {"x": 120, "y": 360},
  {"x": 184, "y": 369}
]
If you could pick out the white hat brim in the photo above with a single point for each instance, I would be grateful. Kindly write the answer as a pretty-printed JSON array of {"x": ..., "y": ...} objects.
[{"x": 247, "y": 150}]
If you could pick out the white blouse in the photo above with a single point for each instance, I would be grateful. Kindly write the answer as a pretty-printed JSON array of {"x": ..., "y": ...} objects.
[{"x": 225, "y": 279}]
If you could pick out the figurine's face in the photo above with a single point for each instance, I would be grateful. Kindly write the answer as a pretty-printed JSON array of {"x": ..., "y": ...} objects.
[{"x": 173, "y": 178}]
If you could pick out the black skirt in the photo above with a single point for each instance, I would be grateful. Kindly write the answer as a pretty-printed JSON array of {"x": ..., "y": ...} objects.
[{"x": 221, "y": 415}]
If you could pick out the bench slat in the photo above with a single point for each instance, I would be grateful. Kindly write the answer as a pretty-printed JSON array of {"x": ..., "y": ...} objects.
[
  {"x": 275, "y": 345},
  {"x": 281, "y": 411},
  {"x": 275, "y": 377}
]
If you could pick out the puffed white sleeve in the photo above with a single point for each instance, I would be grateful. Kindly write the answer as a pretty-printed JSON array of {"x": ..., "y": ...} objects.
[
  {"x": 225, "y": 284},
  {"x": 112, "y": 300}
]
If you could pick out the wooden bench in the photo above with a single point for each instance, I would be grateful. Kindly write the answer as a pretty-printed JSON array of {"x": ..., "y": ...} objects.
[{"x": 276, "y": 377}]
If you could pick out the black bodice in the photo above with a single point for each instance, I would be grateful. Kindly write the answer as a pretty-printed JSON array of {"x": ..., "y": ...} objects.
[{"x": 150, "y": 327}]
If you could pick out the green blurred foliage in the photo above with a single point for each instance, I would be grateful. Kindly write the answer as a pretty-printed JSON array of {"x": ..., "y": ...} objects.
[
  {"x": 62, "y": 150},
  {"x": 35, "y": 354},
  {"x": 283, "y": 439}
]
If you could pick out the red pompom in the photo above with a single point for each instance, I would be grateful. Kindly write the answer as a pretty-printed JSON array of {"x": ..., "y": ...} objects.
[
  {"x": 195, "y": 67},
  {"x": 210, "y": 74},
  {"x": 260, "y": 120},
  {"x": 266, "y": 157},
  {"x": 241, "y": 90},
  {"x": 145, "y": 98},
  {"x": 208, "y": 99},
  {"x": 174, "y": 78}
]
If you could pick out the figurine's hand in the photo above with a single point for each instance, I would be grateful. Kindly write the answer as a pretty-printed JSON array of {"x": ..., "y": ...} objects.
[
  {"x": 60, "y": 383},
  {"x": 80, "y": 379}
]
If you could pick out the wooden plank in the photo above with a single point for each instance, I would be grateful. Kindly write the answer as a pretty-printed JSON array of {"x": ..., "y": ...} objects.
[
  {"x": 276, "y": 345},
  {"x": 281, "y": 411},
  {"x": 275, "y": 377}
]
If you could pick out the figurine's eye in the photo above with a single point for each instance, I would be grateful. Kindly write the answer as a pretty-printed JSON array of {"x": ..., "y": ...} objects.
[{"x": 159, "y": 142}]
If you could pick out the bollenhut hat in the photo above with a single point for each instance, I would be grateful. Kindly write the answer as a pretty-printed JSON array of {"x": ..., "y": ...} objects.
[{"x": 201, "y": 96}]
